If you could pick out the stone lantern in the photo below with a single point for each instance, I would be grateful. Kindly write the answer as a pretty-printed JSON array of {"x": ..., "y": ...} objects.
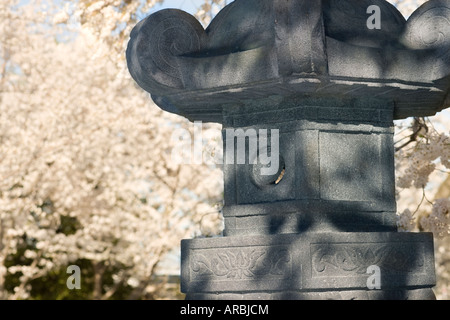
[{"x": 319, "y": 83}]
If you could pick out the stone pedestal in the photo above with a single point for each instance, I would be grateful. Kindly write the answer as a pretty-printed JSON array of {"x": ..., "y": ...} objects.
[
  {"x": 315, "y": 76},
  {"x": 311, "y": 265},
  {"x": 314, "y": 228}
]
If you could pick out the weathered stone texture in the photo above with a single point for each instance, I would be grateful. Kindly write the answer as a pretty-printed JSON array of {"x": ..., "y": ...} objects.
[{"x": 332, "y": 87}]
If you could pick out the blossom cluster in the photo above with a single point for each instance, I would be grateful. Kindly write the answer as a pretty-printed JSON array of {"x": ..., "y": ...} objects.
[{"x": 85, "y": 157}]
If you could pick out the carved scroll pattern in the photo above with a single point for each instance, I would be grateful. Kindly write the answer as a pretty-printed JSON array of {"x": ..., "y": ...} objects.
[
  {"x": 241, "y": 264},
  {"x": 157, "y": 42},
  {"x": 429, "y": 26},
  {"x": 357, "y": 258},
  {"x": 173, "y": 38}
]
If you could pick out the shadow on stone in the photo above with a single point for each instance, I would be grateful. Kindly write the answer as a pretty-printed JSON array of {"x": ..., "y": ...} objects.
[{"x": 331, "y": 88}]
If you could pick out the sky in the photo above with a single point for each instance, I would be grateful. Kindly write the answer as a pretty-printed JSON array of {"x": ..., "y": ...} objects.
[{"x": 186, "y": 5}]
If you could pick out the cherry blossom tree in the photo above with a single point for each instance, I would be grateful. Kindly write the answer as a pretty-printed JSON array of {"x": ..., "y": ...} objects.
[
  {"x": 85, "y": 165},
  {"x": 423, "y": 186}
]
